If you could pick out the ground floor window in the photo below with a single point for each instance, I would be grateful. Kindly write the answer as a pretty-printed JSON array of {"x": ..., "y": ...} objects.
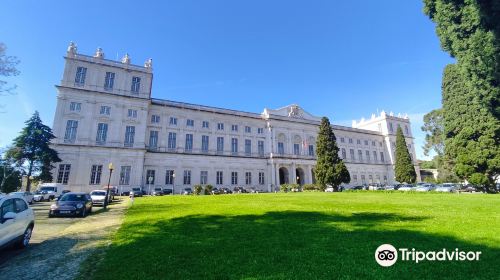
[
  {"x": 169, "y": 177},
  {"x": 203, "y": 177},
  {"x": 125, "y": 175},
  {"x": 248, "y": 178},
  {"x": 261, "y": 178},
  {"x": 187, "y": 177},
  {"x": 234, "y": 178},
  {"x": 63, "y": 174},
  {"x": 150, "y": 177},
  {"x": 95, "y": 174},
  {"x": 219, "y": 178}
]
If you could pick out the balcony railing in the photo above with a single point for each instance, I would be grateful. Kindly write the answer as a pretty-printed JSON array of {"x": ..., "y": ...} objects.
[{"x": 181, "y": 150}]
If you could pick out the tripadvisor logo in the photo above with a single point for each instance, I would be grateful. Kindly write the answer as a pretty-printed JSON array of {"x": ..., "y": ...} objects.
[{"x": 387, "y": 255}]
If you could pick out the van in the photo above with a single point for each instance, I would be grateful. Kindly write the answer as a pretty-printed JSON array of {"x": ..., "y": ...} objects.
[{"x": 54, "y": 189}]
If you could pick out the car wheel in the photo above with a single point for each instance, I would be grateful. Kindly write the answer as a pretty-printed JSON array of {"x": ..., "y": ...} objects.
[
  {"x": 84, "y": 212},
  {"x": 25, "y": 238},
  {"x": 90, "y": 210}
]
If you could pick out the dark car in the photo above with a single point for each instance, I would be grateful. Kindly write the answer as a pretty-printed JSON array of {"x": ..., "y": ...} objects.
[
  {"x": 358, "y": 188},
  {"x": 136, "y": 191},
  {"x": 72, "y": 204},
  {"x": 215, "y": 191},
  {"x": 167, "y": 191},
  {"x": 239, "y": 190},
  {"x": 226, "y": 191},
  {"x": 187, "y": 191},
  {"x": 157, "y": 192}
]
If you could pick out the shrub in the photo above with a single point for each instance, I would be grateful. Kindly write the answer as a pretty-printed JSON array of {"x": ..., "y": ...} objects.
[
  {"x": 208, "y": 189},
  {"x": 290, "y": 188},
  {"x": 197, "y": 189}
]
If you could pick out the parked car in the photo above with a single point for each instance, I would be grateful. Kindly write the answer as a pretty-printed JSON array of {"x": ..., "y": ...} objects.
[
  {"x": 425, "y": 188},
  {"x": 98, "y": 197},
  {"x": 329, "y": 189},
  {"x": 54, "y": 190},
  {"x": 215, "y": 191},
  {"x": 157, "y": 191},
  {"x": 226, "y": 191},
  {"x": 446, "y": 187},
  {"x": 187, "y": 191},
  {"x": 16, "y": 221},
  {"x": 39, "y": 196},
  {"x": 136, "y": 191},
  {"x": 167, "y": 191},
  {"x": 406, "y": 188},
  {"x": 375, "y": 187},
  {"x": 239, "y": 190},
  {"x": 29, "y": 197},
  {"x": 72, "y": 204}
]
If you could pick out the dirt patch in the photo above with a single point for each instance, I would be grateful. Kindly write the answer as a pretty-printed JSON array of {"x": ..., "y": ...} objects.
[{"x": 60, "y": 245}]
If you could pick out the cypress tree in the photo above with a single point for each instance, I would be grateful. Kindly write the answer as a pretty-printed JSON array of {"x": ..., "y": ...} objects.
[
  {"x": 469, "y": 31},
  {"x": 404, "y": 169},
  {"x": 330, "y": 169}
]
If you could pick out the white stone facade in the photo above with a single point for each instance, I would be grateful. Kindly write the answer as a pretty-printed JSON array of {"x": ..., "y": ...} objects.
[{"x": 105, "y": 114}]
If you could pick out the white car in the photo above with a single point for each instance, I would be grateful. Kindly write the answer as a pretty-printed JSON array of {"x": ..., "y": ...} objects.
[
  {"x": 29, "y": 197},
  {"x": 406, "y": 188},
  {"x": 41, "y": 196},
  {"x": 54, "y": 190},
  {"x": 16, "y": 221},
  {"x": 98, "y": 197}
]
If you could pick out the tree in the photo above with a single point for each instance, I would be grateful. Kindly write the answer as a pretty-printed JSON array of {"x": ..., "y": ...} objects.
[
  {"x": 330, "y": 169},
  {"x": 32, "y": 152},
  {"x": 434, "y": 137},
  {"x": 469, "y": 31},
  {"x": 7, "y": 68},
  {"x": 404, "y": 169},
  {"x": 10, "y": 177}
]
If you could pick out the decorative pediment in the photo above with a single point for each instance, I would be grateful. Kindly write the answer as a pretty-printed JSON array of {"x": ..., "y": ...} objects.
[{"x": 293, "y": 111}]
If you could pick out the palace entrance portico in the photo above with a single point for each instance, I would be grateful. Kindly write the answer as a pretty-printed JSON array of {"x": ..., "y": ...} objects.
[{"x": 291, "y": 172}]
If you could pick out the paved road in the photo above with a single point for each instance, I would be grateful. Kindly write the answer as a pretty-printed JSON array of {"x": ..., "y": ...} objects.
[{"x": 59, "y": 245}]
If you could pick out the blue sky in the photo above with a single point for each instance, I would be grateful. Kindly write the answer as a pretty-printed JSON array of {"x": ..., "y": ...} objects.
[{"x": 340, "y": 59}]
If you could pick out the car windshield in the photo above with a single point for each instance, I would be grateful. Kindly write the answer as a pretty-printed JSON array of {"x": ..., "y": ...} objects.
[
  {"x": 73, "y": 197},
  {"x": 47, "y": 188},
  {"x": 157, "y": 189},
  {"x": 136, "y": 189},
  {"x": 98, "y": 193}
]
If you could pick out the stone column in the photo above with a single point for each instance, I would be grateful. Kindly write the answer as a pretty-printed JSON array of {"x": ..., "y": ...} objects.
[
  {"x": 308, "y": 174},
  {"x": 294, "y": 174}
]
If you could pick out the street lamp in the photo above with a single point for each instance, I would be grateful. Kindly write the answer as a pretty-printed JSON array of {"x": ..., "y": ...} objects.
[
  {"x": 110, "y": 167},
  {"x": 173, "y": 183}
]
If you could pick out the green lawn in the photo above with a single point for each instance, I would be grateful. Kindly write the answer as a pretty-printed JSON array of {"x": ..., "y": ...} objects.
[{"x": 302, "y": 236}]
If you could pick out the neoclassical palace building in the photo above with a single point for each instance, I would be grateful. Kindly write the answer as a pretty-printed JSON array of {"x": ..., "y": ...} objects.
[{"x": 105, "y": 114}]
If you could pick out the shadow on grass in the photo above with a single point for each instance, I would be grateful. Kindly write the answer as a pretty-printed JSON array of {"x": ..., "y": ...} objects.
[{"x": 282, "y": 245}]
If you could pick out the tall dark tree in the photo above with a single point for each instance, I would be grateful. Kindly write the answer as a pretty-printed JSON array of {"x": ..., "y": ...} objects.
[
  {"x": 330, "y": 169},
  {"x": 404, "y": 169},
  {"x": 469, "y": 30},
  {"x": 32, "y": 152}
]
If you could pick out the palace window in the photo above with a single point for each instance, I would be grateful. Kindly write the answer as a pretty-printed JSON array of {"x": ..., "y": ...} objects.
[
  {"x": 344, "y": 154},
  {"x": 187, "y": 177},
  {"x": 129, "y": 136},
  {"x": 172, "y": 140},
  {"x": 220, "y": 145},
  {"x": 155, "y": 119},
  {"x": 63, "y": 173},
  {"x": 95, "y": 174},
  {"x": 219, "y": 178},
  {"x": 203, "y": 177},
  {"x": 71, "y": 129},
  {"x": 261, "y": 178},
  {"x": 234, "y": 127},
  {"x": 204, "y": 124},
  {"x": 150, "y": 177},
  {"x": 102, "y": 131},
  {"x": 261, "y": 148},
  {"x": 260, "y": 130},
  {"x": 169, "y": 177},
  {"x": 105, "y": 110},
  {"x": 220, "y": 126},
  {"x": 234, "y": 178},
  {"x": 281, "y": 148},
  {"x": 204, "y": 143},
  {"x": 234, "y": 145},
  {"x": 311, "y": 150},
  {"x": 75, "y": 106},
  {"x": 153, "y": 139},
  {"x": 189, "y": 143},
  {"x": 248, "y": 129},
  {"x": 248, "y": 178},
  {"x": 136, "y": 85},
  {"x": 173, "y": 121},
  {"x": 109, "y": 80},
  {"x": 81, "y": 72},
  {"x": 248, "y": 147},
  {"x": 125, "y": 175},
  {"x": 132, "y": 113},
  {"x": 296, "y": 149},
  {"x": 189, "y": 122}
]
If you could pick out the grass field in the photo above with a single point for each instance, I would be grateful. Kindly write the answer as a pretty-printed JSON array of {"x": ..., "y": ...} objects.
[{"x": 302, "y": 236}]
